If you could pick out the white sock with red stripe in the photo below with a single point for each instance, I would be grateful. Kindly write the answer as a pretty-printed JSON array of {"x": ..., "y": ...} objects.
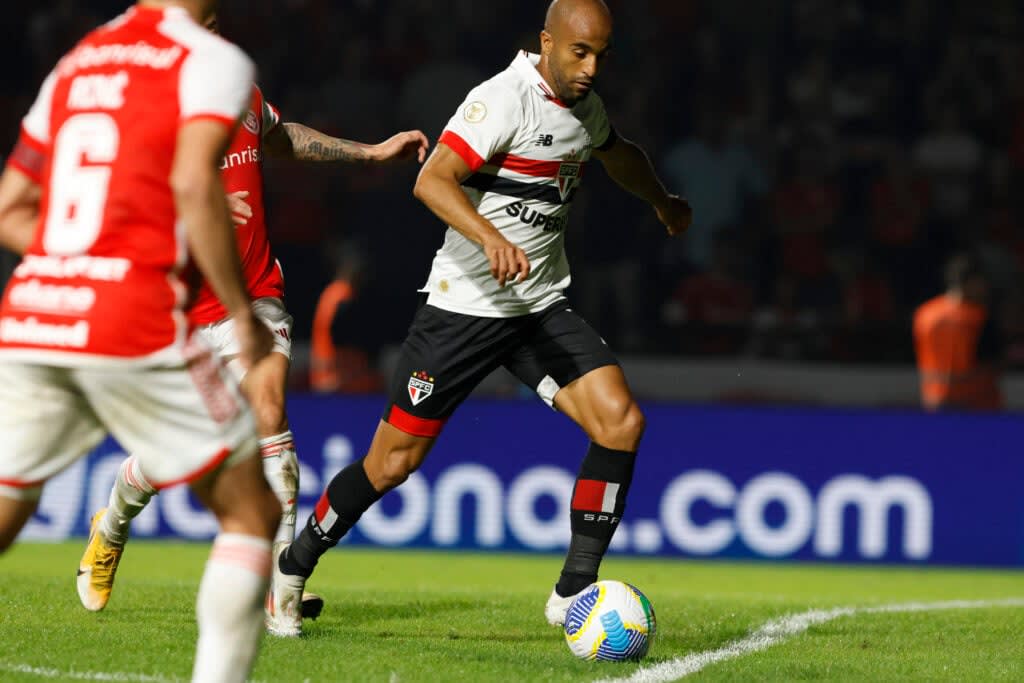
[
  {"x": 281, "y": 468},
  {"x": 130, "y": 494},
  {"x": 229, "y": 607}
]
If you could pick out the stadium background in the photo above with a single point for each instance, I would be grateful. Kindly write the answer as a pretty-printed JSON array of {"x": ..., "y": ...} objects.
[{"x": 836, "y": 154}]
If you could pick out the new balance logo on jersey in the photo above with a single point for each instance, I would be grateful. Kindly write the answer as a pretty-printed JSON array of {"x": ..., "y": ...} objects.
[{"x": 544, "y": 140}]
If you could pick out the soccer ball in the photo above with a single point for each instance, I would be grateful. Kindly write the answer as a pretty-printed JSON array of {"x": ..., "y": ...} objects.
[{"x": 610, "y": 621}]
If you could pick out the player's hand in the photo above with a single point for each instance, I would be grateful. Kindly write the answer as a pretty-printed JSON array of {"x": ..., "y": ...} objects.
[
  {"x": 508, "y": 262},
  {"x": 255, "y": 340},
  {"x": 241, "y": 212},
  {"x": 675, "y": 214},
  {"x": 402, "y": 147}
]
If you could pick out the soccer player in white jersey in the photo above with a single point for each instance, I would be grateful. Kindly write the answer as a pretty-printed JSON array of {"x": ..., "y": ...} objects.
[
  {"x": 503, "y": 177},
  {"x": 93, "y": 332}
]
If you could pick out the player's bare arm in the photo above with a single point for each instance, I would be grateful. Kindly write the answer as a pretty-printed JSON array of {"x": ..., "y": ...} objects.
[
  {"x": 296, "y": 141},
  {"x": 630, "y": 167},
  {"x": 201, "y": 204},
  {"x": 439, "y": 186},
  {"x": 19, "y": 210}
]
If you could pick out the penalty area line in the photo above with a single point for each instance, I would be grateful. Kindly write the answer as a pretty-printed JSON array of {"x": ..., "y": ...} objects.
[{"x": 778, "y": 630}]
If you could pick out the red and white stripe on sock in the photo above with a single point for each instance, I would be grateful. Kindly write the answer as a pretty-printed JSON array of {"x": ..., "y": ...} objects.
[
  {"x": 133, "y": 476},
  {"x": 273, "y": 446},
  {"x": 325, "y": 515},
  {"x": 592, "y": 495},
  {"x": 241, "y": 551}
]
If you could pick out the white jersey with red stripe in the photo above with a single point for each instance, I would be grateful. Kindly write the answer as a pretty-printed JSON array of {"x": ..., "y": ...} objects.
[
  {"x": 528, "y": 152},
  {"x": 102, "y": 282}
]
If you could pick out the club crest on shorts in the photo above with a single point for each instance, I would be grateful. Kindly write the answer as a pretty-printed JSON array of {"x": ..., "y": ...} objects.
[{"x": 421, "y": 386}]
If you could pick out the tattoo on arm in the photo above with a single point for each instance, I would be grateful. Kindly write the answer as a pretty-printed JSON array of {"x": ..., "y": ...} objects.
[{"x": 311, "y": 145}]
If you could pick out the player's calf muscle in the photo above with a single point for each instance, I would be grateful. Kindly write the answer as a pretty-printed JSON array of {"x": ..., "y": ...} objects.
[{"x": 391, "y": 461}]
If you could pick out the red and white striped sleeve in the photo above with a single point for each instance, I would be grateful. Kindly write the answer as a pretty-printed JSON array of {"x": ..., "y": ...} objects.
[
  {"x": 29, "y": 155},
  {"x": 484, "y": 125},
  {"x": 216, "y": 82}
]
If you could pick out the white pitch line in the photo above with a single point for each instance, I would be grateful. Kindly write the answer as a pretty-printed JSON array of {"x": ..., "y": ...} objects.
[
  {"x": 777, "y": 630},
  {"x": 118, "y": 677}
]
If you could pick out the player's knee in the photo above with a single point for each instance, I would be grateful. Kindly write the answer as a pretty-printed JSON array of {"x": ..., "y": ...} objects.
[
  {"x": 621, "y": 425},
  {"x": 634, "y": 422}
]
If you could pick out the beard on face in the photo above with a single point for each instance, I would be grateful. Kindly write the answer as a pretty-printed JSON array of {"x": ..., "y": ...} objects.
[{"x": 565, "y": 91}]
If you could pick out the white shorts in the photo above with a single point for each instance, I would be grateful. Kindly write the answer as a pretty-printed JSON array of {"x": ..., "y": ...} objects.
[
  {"x": 221, "y": 334},
  {"x": 181, "y": 422}
]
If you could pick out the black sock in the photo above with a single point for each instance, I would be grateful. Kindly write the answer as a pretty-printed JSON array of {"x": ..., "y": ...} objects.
[
  {"x": 344, "y": 501},
  {"x": 598, "y": 501}
]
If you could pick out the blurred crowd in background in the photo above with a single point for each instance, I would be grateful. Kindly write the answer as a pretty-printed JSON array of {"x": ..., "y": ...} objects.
[{"x": 836, "y": 154}]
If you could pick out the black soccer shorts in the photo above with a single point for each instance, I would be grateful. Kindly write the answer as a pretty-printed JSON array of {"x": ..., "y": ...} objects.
[{"x": 446, "y": 355}]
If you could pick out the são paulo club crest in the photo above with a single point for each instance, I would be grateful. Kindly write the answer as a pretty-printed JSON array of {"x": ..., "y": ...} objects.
[
  {"x": 569, "y": 172},
  {"x": 421, "y": 386}
]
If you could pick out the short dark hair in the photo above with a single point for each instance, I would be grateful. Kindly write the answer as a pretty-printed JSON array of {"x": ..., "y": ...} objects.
[{"x": 961, "y": 269}]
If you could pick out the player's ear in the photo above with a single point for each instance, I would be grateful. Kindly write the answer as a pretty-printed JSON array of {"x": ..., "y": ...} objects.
[{"x": 546, "y": 43}]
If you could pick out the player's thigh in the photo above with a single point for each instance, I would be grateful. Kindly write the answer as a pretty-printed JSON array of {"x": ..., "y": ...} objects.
[
  {"x": 14, "y": 514},
  {"x": 240, "y": 498},
  {"x": 603, "y": 405},
  {"x": 181, "y": 422},
  {"x": 46, "y": 424},
  {"x": 443, "y": 359},
  {"x": 572, "y": 369},
  {"x": 220, "y": 336},
  {"x": 267, "y": 379},
  {"x": 264, "y": 385},
  {"x": 558, "y": 349}
]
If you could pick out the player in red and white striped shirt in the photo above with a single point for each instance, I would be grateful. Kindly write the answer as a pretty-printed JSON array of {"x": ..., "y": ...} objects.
[
  {"x": 112, "y": 192},
  {"x": 262, "y": 131}
]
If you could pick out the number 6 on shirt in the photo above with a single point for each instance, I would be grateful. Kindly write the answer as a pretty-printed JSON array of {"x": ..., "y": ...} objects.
[{"x": 84, "y": 148}]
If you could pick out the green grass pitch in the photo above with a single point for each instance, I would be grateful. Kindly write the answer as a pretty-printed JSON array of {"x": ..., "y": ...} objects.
[{"x": 404, "y": 616}]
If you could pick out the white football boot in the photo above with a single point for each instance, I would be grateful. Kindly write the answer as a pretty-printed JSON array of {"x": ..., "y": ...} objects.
[
  {"x": 556, "y": 608},
  {"x": 284, "y": 602}
]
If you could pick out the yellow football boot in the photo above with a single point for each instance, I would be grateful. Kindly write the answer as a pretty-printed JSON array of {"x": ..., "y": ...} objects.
[{"x": 97, "y": 567}]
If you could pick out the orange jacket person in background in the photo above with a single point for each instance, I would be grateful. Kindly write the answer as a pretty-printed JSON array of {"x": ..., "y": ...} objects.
[
  {"x": 337, "y": 367},
  {"x": 954, "y": 340}
]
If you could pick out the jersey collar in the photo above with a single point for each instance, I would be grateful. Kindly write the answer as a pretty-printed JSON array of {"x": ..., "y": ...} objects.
[
  {"x": 525, "y": 64},
  {"x": 154, "y": 12}
]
